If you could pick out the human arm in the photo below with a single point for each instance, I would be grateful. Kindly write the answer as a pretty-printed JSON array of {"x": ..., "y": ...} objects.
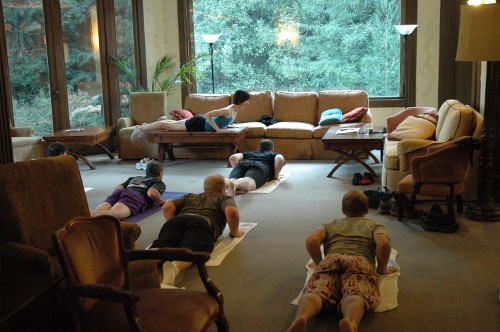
[
  {"x": 383, "y": 252},
  {"x": 233, "y": 221},
  {"x": 155, "y": 196},
  {"x": 236, "y": 159},
  {"x": 168, "y": 210},
  {"x": 225, "y": 112},
  {"x": 313, "y": 245},
  {"x": 279, "y": 162}
]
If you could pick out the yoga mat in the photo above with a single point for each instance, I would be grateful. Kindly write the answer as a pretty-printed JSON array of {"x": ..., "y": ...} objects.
[
  {"x": 269, "y": 185},
  {"x": 388, "y": 286},
  {"x": 168, "y": 195}
]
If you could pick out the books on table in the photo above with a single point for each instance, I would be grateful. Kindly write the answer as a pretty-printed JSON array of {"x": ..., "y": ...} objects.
[{"x": 348, "y": 131}]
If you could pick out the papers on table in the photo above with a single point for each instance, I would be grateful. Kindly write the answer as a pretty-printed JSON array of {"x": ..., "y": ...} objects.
[{"x": 348, "y": 131}]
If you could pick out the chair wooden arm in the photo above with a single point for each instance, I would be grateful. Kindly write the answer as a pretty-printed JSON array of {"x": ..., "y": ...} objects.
[{"x": 107, "y": 293}]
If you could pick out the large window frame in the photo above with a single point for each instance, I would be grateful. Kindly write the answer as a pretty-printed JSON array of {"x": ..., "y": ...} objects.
[{"x": 408, "y": 16}]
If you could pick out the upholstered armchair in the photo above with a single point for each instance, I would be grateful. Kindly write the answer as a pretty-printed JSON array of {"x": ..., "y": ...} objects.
[
  {"x": 441, "y": 173},
  {"x": 144, "y": 107},
  {"x": 94, "y": 263},
  {"x": 25, "y": 146}
]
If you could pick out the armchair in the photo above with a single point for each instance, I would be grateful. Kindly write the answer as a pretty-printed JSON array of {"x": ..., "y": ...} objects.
[
  {"x": 144, "y": 107},
  {"x": 94, "y": 263},
  {"x": 441, "y": 172},
  {"x": 25, "y": 146}
]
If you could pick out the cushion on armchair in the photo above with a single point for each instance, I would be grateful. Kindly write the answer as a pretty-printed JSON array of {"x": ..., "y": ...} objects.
[{"x": 421, "y": 126}]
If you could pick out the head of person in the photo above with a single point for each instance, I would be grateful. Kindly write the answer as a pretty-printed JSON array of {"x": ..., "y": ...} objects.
[
  {"x": 355, "y": 204},
  {"x": 215, "y": 183},
  {"x": 240, "y": 97},
  {"x": 154, "y": 169},
  {"x": 56, "y": 149},
  {"x": 266, "y": 145}
]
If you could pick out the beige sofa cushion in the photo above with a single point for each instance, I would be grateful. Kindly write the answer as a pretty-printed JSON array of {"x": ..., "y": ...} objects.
[
  {"x": 296, "y": 107},
  {"x": 261, "y": 103},
  {"x": 254, "y": 129},
  {"x": 290, "y": 130},
  {"x": 203, "y": 103},
  {"x": 346, "y": 100}
]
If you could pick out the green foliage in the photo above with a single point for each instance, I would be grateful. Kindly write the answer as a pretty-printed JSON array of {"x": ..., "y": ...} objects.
[
  {"x": 343, "y": 44},
  {"x": 166, "y": 76}
]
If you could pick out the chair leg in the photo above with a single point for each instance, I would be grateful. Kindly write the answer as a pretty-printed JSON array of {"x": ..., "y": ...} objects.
[
  {"x": 460, "y": 203},
  {"x": 402, "y": 199},
  {"x": 449, "y": 203}
]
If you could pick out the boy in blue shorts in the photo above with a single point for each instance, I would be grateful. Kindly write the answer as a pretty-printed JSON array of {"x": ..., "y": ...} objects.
[
  {"x": 135, "y": 194},
  {"x": 346, "y": 277}
]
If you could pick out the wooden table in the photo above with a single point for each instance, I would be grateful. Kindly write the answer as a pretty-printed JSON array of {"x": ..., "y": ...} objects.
[
  {"x": 79, "y": 140},
  {"x": 167, "y": 140},
  {"x": 352, "y": 146}
]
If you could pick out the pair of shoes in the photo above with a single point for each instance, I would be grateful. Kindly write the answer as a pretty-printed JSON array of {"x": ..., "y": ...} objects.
[
  {"x": 364, "y": 179},
  {"x": 408, "y": 212},
  {"x": 142, "y": 164},
  {"x": 438, "y": 221},
  {"x": 385, "y": 207}
]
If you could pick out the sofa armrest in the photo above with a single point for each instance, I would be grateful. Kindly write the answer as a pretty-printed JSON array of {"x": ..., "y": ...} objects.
[
  {"x": 164, "y": 117},
  {"x": 23, "y": 259},
  {"x": 22, "y": 131},
  {"x": 125, "y": 122},
  {"x": 413, "y": 144}
]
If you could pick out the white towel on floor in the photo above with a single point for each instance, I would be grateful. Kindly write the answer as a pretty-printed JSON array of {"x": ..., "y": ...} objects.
[
  {"x": 225, "y": 244},
  {"x": 388, "y": 286},
  {"x": 270, "y": 185}
]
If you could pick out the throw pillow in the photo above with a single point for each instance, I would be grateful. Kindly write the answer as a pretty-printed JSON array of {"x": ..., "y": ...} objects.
[
  {"x": 181, "y": 114},
  {"x": 421, "y": 126},
  {"x": 355, "y": 115},
  {"x": 330, "y": 116}
]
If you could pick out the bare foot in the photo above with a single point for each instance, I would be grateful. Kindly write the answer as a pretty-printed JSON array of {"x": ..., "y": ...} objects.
[
  {"x": 346, "y": 326},
  {"x": 298, "y": 325},
  {"x": 232, "y": 188}
]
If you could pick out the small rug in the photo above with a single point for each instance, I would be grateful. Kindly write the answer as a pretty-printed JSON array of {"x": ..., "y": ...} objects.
[
  {"x": 225, "y": 244},
  {"x": 269, "y": 185},
  {"x": 168, "y": 195},
  {"x": 388, "y": 286}
]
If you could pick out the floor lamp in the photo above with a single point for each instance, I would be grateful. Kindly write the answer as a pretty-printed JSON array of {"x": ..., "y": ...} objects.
[
  {"x": 211, "y": 39},
  {"x": 405, "y": 31},
  {"x": 479, "y": 40}
]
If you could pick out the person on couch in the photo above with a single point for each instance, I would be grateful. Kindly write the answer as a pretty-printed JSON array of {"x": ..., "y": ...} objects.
[
  {"x": 252, "y": 169},
  {"x": 196, "y": 221},
  {"x": 216, "y": 120},
  {"x": 135, "y": 195},
  {"x": 346, "y": 277}
]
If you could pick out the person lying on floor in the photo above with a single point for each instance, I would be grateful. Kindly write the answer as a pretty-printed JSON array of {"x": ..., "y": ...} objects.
[
  {"x": 346, "y": 278},
  {"x": 134, "y": 195},
  {"x": 195, "y": 221},
  {"x": 252, "y": 169},
  {"x": 216, "y": 120}
]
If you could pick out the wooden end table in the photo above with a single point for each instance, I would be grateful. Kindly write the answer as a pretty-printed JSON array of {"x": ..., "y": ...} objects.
[
  {"x": 79, "y": 139},
  {"x": 352, "y": 146},
  {"x": 167, "y": 140}
]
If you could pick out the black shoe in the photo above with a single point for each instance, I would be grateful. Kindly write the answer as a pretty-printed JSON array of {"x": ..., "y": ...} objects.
[
  {"x": 356, "y": 178},
  {"x": 384, "y": 207},
  {"x": 369, "y": 176},
  {"x": 438, "y": 226}
]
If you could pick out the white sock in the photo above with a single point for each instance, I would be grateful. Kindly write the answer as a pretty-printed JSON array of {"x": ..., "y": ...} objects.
[{"x": 170, "y": 271}]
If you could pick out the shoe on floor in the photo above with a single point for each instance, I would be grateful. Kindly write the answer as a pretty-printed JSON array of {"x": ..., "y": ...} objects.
[
  {"x": 364, "y": 180},
  {"x": 384, "y": 207},
  {"x": 356, "y": 178},
  {"x": 369, "y": 176},
  {"x": 439, "y": 226}
]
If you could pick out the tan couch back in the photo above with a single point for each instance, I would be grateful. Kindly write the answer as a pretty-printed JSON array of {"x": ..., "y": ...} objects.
[
  {"x": 147, "y": 107},
  {"x": 346, "y": 100},
  {"x": 296, "y": 106},
  {"x": 261, "y": 103},
  {"x": 199, "y": 103}
]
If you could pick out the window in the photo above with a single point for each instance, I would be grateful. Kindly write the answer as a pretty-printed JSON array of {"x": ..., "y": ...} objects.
[{"x": 300, "y": 45}]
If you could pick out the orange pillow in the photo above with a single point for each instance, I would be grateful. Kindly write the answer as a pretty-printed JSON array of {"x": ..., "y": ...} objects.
[
  {"x": 181, "y": 114},
  {"x": 355, "y": 115}
]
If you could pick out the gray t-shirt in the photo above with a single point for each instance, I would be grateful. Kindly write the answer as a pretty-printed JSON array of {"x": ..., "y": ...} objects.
[
  {"x": 209, "y": 205},
  {"x": 352, "y": 236}
]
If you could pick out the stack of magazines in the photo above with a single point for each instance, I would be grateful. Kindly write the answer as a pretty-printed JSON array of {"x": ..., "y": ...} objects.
[{"x": 348, "y": 131}]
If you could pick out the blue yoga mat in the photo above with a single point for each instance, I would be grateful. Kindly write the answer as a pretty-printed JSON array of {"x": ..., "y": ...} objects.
[{"x": 155, "y": 208}]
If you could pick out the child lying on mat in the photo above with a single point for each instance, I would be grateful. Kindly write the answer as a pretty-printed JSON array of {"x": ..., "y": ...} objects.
[
  {"x": 135, "y": 195},
  {"x": 346, "y": 277},
  {"x": 195, "y": 221}
]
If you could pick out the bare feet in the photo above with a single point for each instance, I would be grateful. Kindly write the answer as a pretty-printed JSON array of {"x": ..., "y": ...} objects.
[
  {"x": 346, "y": 326},
  {"x": 298, "y": 325},
  {"x": 135, "y": 135},
  {"x": 231, "y": 186}
]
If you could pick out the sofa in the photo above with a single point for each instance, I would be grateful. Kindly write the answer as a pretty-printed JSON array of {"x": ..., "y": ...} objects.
[
  {"x": 25, "y": 146},
  {"x": 406, "y": 139},
  {"x": 296, "y": 134}
]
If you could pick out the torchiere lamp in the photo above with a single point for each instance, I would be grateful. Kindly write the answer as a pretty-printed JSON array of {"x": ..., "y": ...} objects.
[
  {"x": 479, "y": 40},
  {"x": 405, "y": 31},
  {"x": 211, "y": 39}
]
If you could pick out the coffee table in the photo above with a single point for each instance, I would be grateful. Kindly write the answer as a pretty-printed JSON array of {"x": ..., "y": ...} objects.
[
  {"x": 352, "y": 146},
  {"x": 168, "y": 140},
  {"x": 79, "y": 139}
]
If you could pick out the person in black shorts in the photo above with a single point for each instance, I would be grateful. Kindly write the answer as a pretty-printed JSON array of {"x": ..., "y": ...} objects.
[
  {"x": 252, "y": 169},
  {"x": 135, "y": 195},
  {"x": 195, "y": 221}
]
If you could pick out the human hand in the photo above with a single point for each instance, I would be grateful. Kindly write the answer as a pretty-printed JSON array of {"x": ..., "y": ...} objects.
[
  {"x": 312, "y": 265},
  {"x": 390, "y": 269},
  {"x": 238, "y": 234}
]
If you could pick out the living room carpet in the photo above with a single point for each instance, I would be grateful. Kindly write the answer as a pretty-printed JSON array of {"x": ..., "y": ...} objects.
[
  {"x": 169, "y": 195},
  {"x": 388, "y": 286}
]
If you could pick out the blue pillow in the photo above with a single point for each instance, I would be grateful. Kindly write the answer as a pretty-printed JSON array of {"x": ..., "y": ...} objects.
[{"x": 331, "y": 116}]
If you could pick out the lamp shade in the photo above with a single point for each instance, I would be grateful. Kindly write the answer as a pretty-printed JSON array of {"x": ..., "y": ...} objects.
[
  {"x": 211, "y": 38},
  {"x": 405, "y": 29},
  {"x": 479, "y": 34}
]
